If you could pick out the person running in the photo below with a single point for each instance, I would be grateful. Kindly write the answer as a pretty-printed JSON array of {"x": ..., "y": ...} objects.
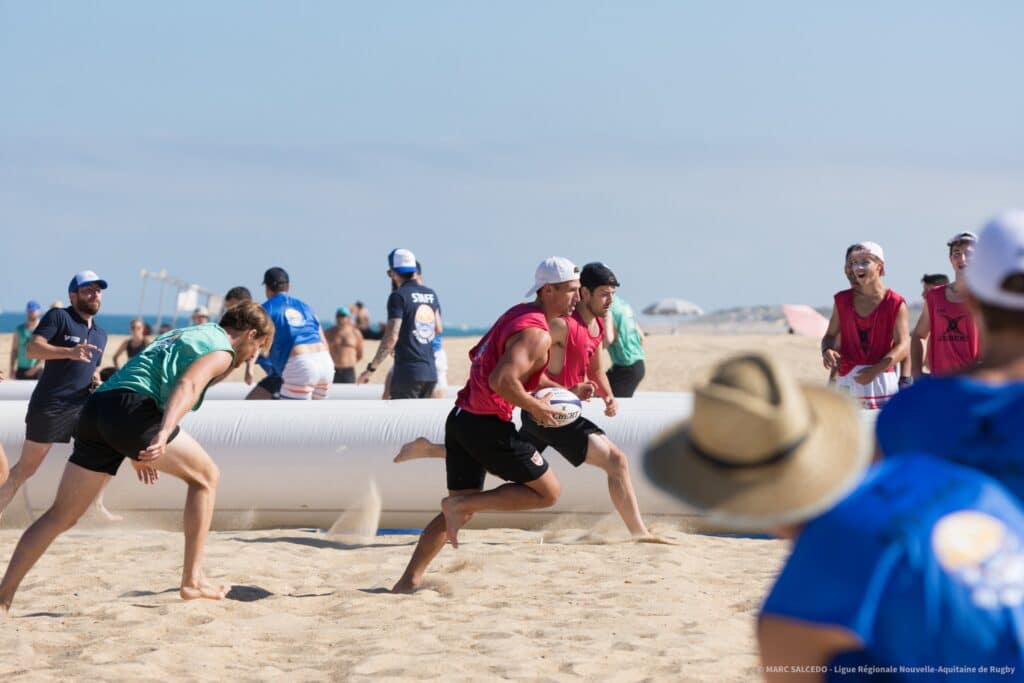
[
  {"x": 624, "y": 341},
  {"x": 932, "y": 280},
  {"x": 506, "y": 366},
  {"x": 914, "y": 563},
  {"x": 299, "y": 366},
  {"x": 869, "y": 325},
  {"x": 345, "y": 342},
  {"x": 946, "y": 323},
  {"x": 973, "y": 418},
  {"x": 133, "y": 345},
  {"x": 72, "y": 344},
  {"x": 414, "y": 320},
  {"x": 23, "y": 367},
  {"x": 135, "y": 415}
]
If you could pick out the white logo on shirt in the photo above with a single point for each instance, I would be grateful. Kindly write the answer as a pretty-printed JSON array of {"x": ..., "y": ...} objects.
[
  {"x": 294, "y": 317},
  {"x": 982, "y": 553},
  {"x": 72, "y": 338}
]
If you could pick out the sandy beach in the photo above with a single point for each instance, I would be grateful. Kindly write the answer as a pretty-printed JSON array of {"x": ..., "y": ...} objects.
[{"x": 571, "y": 602}]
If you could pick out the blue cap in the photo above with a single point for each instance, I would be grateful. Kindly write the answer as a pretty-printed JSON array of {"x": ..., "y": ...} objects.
[
  {"x": 343, "y": 310},
  {"x": 86, "y": 277},
  {"x": 33, "y": 305},
  {"x": 402, "y": 261}
]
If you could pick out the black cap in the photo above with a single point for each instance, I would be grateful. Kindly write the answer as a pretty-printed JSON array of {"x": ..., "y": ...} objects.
[
  {"x": 275, "y": 276},
  {"x": 597, "y": 274}
]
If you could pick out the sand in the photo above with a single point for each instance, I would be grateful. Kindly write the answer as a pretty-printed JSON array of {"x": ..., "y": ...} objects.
[{"x": 568, "y": 604}]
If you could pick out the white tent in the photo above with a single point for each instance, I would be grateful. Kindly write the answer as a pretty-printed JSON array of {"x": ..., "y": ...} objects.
[{"x": 673, "y": 307}]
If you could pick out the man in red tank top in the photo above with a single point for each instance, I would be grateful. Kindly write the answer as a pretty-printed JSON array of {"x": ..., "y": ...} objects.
[
  {"x": 507, "y": 365},
  {"x": 946, "y": 322},
  {"x": 576, "y": 365},
  {"x": 869, "y": 322}
]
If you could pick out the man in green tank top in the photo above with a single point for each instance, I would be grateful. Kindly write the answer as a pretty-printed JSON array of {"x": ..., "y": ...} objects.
[
  {"x": 23, "y": 367},
  {"x": 135, "y": 415},
  {"x": 625, "y": 343}
]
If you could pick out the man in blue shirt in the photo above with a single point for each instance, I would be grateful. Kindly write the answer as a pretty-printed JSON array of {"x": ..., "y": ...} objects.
[
  {"x": 414, "y": 321},
  {"x": 72, "y": 344},
  {"x": 975, "y": 418},
  {"x": 299, "y": 364},
  {"x": 918, "y": 564}
]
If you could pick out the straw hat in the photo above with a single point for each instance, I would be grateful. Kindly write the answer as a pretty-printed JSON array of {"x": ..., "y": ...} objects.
[{"x": 761, "y": 451}]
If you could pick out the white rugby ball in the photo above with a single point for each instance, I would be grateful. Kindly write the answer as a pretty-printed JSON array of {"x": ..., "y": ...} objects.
[{"x": 566, "y": 401}]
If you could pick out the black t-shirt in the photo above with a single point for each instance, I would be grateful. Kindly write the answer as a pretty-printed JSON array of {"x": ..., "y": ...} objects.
[
  {"x": 67, "y": 381},
  {"x": 418, "y": 308}
]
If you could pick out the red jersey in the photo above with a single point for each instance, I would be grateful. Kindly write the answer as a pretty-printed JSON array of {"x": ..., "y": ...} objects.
[
  {"x": 953, "y": 338},
  {"x": 580, "y": 347},
  {"x": 477, "y": 397},
  {"x": 865, "y": 341}
]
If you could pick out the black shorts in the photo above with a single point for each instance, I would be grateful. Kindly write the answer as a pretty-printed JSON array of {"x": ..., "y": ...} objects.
[
  {"x": 344, "y": 375},
  {"x": 272, "y": 384},
  {"x": 572, "y": 440},
  {"x": 625, "y": 378},
  {"x": 115, "y": 425},
  {"x": 477, "y": 444},
  {"x": 412, "y": 389},
  {"x": 51, "y": 422},
  {"x": 22, "y": 373}
]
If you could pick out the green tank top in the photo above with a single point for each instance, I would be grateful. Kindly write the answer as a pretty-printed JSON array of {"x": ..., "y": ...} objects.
[
  {"x": 156, "y": 369},
  {"x": 24, "y": 334},
  {"x": 628, "y": 347}
]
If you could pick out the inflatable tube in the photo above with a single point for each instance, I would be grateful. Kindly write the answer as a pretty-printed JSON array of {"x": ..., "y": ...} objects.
[{"x": 301, "y": 464}]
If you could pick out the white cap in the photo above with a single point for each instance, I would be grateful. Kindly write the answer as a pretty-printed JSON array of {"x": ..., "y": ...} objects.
[
  {"x": 873, "y": 248},
  {"x": 998, "y": 255},
  {"x": 402, "y": 261},
  {"x": 201, "y": 311},
  {"x": 966, "y": 236},
  {"x": 552, "y": 271}
]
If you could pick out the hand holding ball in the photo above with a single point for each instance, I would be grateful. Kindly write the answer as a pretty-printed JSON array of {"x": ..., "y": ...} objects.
[{"x": 568, "y": 406}]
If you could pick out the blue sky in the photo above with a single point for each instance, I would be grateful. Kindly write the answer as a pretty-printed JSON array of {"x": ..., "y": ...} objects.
[{"x": 726, "y": 153}]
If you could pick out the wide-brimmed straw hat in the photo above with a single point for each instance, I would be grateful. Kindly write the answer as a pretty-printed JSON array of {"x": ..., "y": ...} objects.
[{"x": 761, "y": 451}]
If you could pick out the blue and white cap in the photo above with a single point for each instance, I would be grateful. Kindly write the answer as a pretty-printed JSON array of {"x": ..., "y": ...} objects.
[
  {"x": 402, "y": 261},
  {"x": 85, "y": 277}
]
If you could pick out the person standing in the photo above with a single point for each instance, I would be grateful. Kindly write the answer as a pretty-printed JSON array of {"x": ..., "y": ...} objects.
[
  {"x": 23, "y": 367},
  {"x": 133, "y": 345},
  {"x": 72, "y": 344},
  {"x": 299, "y": 366},
  {"x": 414, "y": 320},
  {"x": 946, "y": 324},
  {"x": 345, "y": 342},
  {"x": 624, "y": 341}
]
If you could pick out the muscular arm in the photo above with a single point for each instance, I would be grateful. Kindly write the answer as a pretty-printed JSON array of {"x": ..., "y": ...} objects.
[
  {"x": 921, "y": 332},
  {"x": 900, "y": 340},
  {"x": 595, "y": 373},
  {"x": 387, "y": 341},
  {"x": 790, "y": 643},
  {"x": 40, "y": 349},
  {"x": 359, "y": 343},
  {"x": 14, "y": 353},
  {"x": 526, "y": 352},
  {"x": 829, "y": 342},
  {"x": 609, "y": 331}
]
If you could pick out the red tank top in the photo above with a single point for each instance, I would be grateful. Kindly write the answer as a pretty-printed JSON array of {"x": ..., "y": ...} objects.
[
  {"x": 579, "y": 349},
  {"x": 953, "y": 338},
  {"x": 477, "y": 397},
  {"x": 865, "y": 341}
]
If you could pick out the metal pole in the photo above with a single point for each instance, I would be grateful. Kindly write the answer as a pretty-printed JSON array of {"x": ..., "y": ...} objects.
[
  {"x": 142, "y": 294},
  {"x": 160, "y": 308}
]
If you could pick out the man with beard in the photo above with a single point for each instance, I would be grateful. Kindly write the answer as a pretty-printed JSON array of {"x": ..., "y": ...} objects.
[{"x": 72, "y": 345}]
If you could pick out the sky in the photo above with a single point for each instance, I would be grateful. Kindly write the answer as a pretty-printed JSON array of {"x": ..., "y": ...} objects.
[{"x": 726, "y": 153}]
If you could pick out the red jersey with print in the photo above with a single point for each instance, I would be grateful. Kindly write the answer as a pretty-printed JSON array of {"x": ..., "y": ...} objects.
[
  {"x": 865, "y": 340},
  {"x": 953, "y": 338},
  {"x": 477, "y": 397},
  {"x": 580, "y": 347}
]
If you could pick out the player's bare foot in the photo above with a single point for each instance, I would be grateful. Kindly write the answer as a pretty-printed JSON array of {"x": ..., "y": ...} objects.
[
  {"x": 204, "y": 590},
  {"x": 454, "y": 518},
  {"x": 654, "y": 538},
  {"x": 103, "y": 513},
  {"x": 406, "y": 585},
  {"x": 419, "y": 447}
]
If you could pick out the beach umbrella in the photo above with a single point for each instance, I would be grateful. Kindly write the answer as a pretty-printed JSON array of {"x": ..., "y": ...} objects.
[
  {"x": 804, "y": 320},
  {"x": 673, "y": 307}
]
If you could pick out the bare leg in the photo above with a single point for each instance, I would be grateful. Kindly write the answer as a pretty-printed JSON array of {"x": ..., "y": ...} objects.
[
  {"x": 186, "y": 460},
  {"x": 602, "y": 453},
  {"x": 78, "y": 488},
  {"x": 258, "y": 393},
  {"x": 100, "y": 509},
  {"x": 32, "y": 454},
  {"x": 4, "y": 470},
  {"x": 539, "y": 493},
  {"x": 420, "y": 447}
]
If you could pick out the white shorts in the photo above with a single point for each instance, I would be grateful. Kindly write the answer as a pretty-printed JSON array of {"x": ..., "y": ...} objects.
[
  {"x": 871, "y": 396},
  {"x": 441, "y": 363},
  {"x": 307, "y": 376}
]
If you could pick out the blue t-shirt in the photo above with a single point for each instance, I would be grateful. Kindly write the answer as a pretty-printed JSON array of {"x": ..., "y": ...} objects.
[
  {"x": 418, "y": 308},
  {"x": 960, "y": 419},
  {"x": 294, "y": 323},
  {"x": 67, "y": 381},
  {"x": 923, "y": 562}
]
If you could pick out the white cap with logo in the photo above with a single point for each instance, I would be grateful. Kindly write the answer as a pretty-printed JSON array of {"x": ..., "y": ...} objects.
[
  {"x": 402, "y": 261},
  {"x": 873, "y": 248},
  {"x": 552, "y": 271},
  {"x": 999, "y": 256}
]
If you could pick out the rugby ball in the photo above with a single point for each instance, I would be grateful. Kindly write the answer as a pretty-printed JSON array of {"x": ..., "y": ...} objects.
[{"x": 566, "y": 401}]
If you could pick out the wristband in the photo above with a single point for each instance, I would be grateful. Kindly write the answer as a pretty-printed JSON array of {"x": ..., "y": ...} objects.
[
  {"x": 905, "y": 382},
  {"x": 370, "y": 367}
]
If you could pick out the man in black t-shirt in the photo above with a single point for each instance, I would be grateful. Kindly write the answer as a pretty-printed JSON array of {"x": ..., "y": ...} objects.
[
  {"x": 414, "y": 319},
  {"x": 72, "y": 345}
]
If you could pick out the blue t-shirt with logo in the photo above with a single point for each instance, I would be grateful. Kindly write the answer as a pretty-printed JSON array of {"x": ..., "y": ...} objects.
[
  {"x": 923, "y": 562},
  {"x": 66, "y": 381},
  {"x": 961, "y": 419},
  {"x": 294, "y": 323},
  {"x": 418, "y": 308}
]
